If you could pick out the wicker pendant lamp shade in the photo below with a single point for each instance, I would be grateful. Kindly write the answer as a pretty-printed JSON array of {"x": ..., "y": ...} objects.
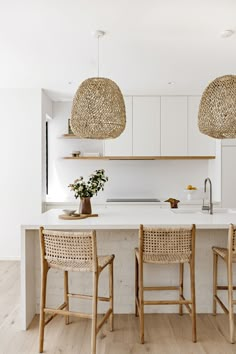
[
  {"x": 217, "y": 111},
  {"x": 98, "y": 110}
]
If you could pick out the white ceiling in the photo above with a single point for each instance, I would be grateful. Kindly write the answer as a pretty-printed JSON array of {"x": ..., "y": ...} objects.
[{"x": 48, "y": 43}]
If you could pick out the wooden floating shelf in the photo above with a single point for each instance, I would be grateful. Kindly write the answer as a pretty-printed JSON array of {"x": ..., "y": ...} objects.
[
  {"x": 70, "y": 136},
  {"x": 139, "y": 158},
  {"x": 86, "y": 158}
]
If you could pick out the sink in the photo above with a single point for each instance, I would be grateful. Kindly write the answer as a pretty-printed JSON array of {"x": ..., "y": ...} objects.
[
  {"x": 206, "y": 212},
  {"x": 220, "y": 211},
  {"x": 217, "y": 211}
]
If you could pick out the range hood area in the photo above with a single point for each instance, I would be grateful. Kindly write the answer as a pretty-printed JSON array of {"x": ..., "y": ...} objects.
[{"x": 133, "y": 200}]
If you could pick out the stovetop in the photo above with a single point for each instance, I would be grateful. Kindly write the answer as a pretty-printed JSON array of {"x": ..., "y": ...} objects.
[{"x": 134, "y": 200}]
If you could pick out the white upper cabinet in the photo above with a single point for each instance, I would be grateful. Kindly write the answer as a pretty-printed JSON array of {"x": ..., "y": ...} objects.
[
  {"x": 122, "y": 146},
  {"x": 228, "y": 177},
  {"x": 174, "y": 115},
  {"x": 162, "y": 126},
  {"x": 228, "y": 142},
  {"x": 198, "y": 143},
  {"x": 146, "y": 126}
]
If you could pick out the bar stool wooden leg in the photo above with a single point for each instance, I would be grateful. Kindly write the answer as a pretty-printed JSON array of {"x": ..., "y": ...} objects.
[
  {"x": 193, "y": 299},
  {"x": 66, "y": 299},
  {"x": 230, "y": 297},
  {"x": 181, "y": 286},
  {"x": 42, "y": 305},
  {"x": 141, "y": 305},
  {"x": 94, "y": 313},
  {"x": 215, "y": 271},
  {"x": 136, "y": 285},
  {"x": 111, "y": 292}
]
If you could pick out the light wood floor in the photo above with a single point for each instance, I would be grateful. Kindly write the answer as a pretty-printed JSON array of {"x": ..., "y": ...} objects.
[{"x": 164, "y": 334}]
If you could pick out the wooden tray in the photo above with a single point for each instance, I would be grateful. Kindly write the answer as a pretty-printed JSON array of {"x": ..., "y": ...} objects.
[{"x": 76, "y": 217}]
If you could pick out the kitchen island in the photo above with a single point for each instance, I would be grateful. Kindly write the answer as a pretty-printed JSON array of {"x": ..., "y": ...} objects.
[{"x": 117, "y": 233}]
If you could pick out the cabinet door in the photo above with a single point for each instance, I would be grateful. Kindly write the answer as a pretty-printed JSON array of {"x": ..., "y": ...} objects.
[
  {"x": 146, "y": 126},
  {"x": 122, "y": 146},
  {"x": 228, "y": 191},
  {"x": 228, "y": 142},
  {"x": 198, "y": 144},
  {"x": 174, "y": 139}
]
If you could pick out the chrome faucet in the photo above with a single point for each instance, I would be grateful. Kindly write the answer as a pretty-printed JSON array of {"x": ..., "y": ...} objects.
[{"x": 210, "y": 206}]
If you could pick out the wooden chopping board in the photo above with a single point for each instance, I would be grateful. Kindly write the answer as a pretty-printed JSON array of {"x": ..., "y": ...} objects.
[{"x": 76, "y": 217}]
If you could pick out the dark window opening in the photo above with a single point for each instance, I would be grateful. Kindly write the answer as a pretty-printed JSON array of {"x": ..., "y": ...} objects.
[{"x": 46, "y": 158}]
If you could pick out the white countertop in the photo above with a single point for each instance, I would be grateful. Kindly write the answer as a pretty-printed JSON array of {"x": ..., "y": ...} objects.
[
  {"x": 113, "y": 217},
  {"x": 193, "y": 202}
]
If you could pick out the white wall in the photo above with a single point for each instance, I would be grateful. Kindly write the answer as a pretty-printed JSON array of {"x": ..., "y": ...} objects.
[
  {"x": 20, "y": 161},
  {"x": 161, "y": 179}
]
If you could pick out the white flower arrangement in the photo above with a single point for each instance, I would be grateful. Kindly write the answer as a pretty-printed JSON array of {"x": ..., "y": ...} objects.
[{"x": 92, "y": 187}]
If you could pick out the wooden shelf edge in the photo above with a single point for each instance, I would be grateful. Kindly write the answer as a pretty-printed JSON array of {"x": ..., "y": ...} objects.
[
  {"x": 159, "y": 157},
  {"x": 140, "y": 158},
  {"x": 86, "y": 158},
  {"x": 70, "y": 136}
]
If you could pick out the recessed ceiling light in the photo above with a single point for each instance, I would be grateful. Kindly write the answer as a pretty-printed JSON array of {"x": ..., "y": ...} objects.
[
  {"x": 171, "y": 83},
  {"x": 227, "y": 33}
]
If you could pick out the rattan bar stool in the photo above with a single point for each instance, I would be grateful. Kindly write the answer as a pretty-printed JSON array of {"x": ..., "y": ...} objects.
[
  {"x": 76, "y": 252},
  {"x": 165, "y": 246},
  {"x": 229, "y": 257}
]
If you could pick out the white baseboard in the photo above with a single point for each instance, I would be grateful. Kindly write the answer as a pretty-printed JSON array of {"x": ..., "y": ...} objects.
[{"x": 9, "y": 258}]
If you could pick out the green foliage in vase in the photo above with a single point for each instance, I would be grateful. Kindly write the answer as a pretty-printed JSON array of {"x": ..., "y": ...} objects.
[{"x": 90, "y": 188}]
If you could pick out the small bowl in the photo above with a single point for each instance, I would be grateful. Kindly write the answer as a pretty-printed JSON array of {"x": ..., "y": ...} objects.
[{"x": 68, "y": 212}]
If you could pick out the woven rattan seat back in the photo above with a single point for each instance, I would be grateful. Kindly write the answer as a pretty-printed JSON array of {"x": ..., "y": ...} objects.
[
  {"x": 174, "y": 240},
  {"x": 75, "y": 248}
]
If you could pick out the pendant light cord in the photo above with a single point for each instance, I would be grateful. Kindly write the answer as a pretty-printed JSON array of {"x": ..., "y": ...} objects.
[
  {"x": 99, "y": 34},
  {"x": 98, "y": 55}
]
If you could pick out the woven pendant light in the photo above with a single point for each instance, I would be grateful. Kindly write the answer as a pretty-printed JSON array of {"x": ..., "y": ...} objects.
[
  {"x": 98, "y": 110},
  {"x": 217, "y": 110}
]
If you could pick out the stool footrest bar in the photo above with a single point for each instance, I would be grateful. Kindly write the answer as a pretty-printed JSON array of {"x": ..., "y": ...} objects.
[
  {"x": 186, "y": 305},
  {"x": 221, "y": 304},
  {"x": 88, "y": 297},
  {"x": 220, "y": 287},
  {"x": 167, "y": 302},
  {"x": 105, "y": 317},
  {"x": 55, "y": 314},
  {"x": 67, "y": 313},
  {"x": 157, "y": 288}
]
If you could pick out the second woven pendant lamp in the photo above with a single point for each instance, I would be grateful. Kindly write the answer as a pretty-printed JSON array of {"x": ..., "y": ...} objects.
[
  {"x": 98, "y": 110},
  {"x": 217, "y": 110}
]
